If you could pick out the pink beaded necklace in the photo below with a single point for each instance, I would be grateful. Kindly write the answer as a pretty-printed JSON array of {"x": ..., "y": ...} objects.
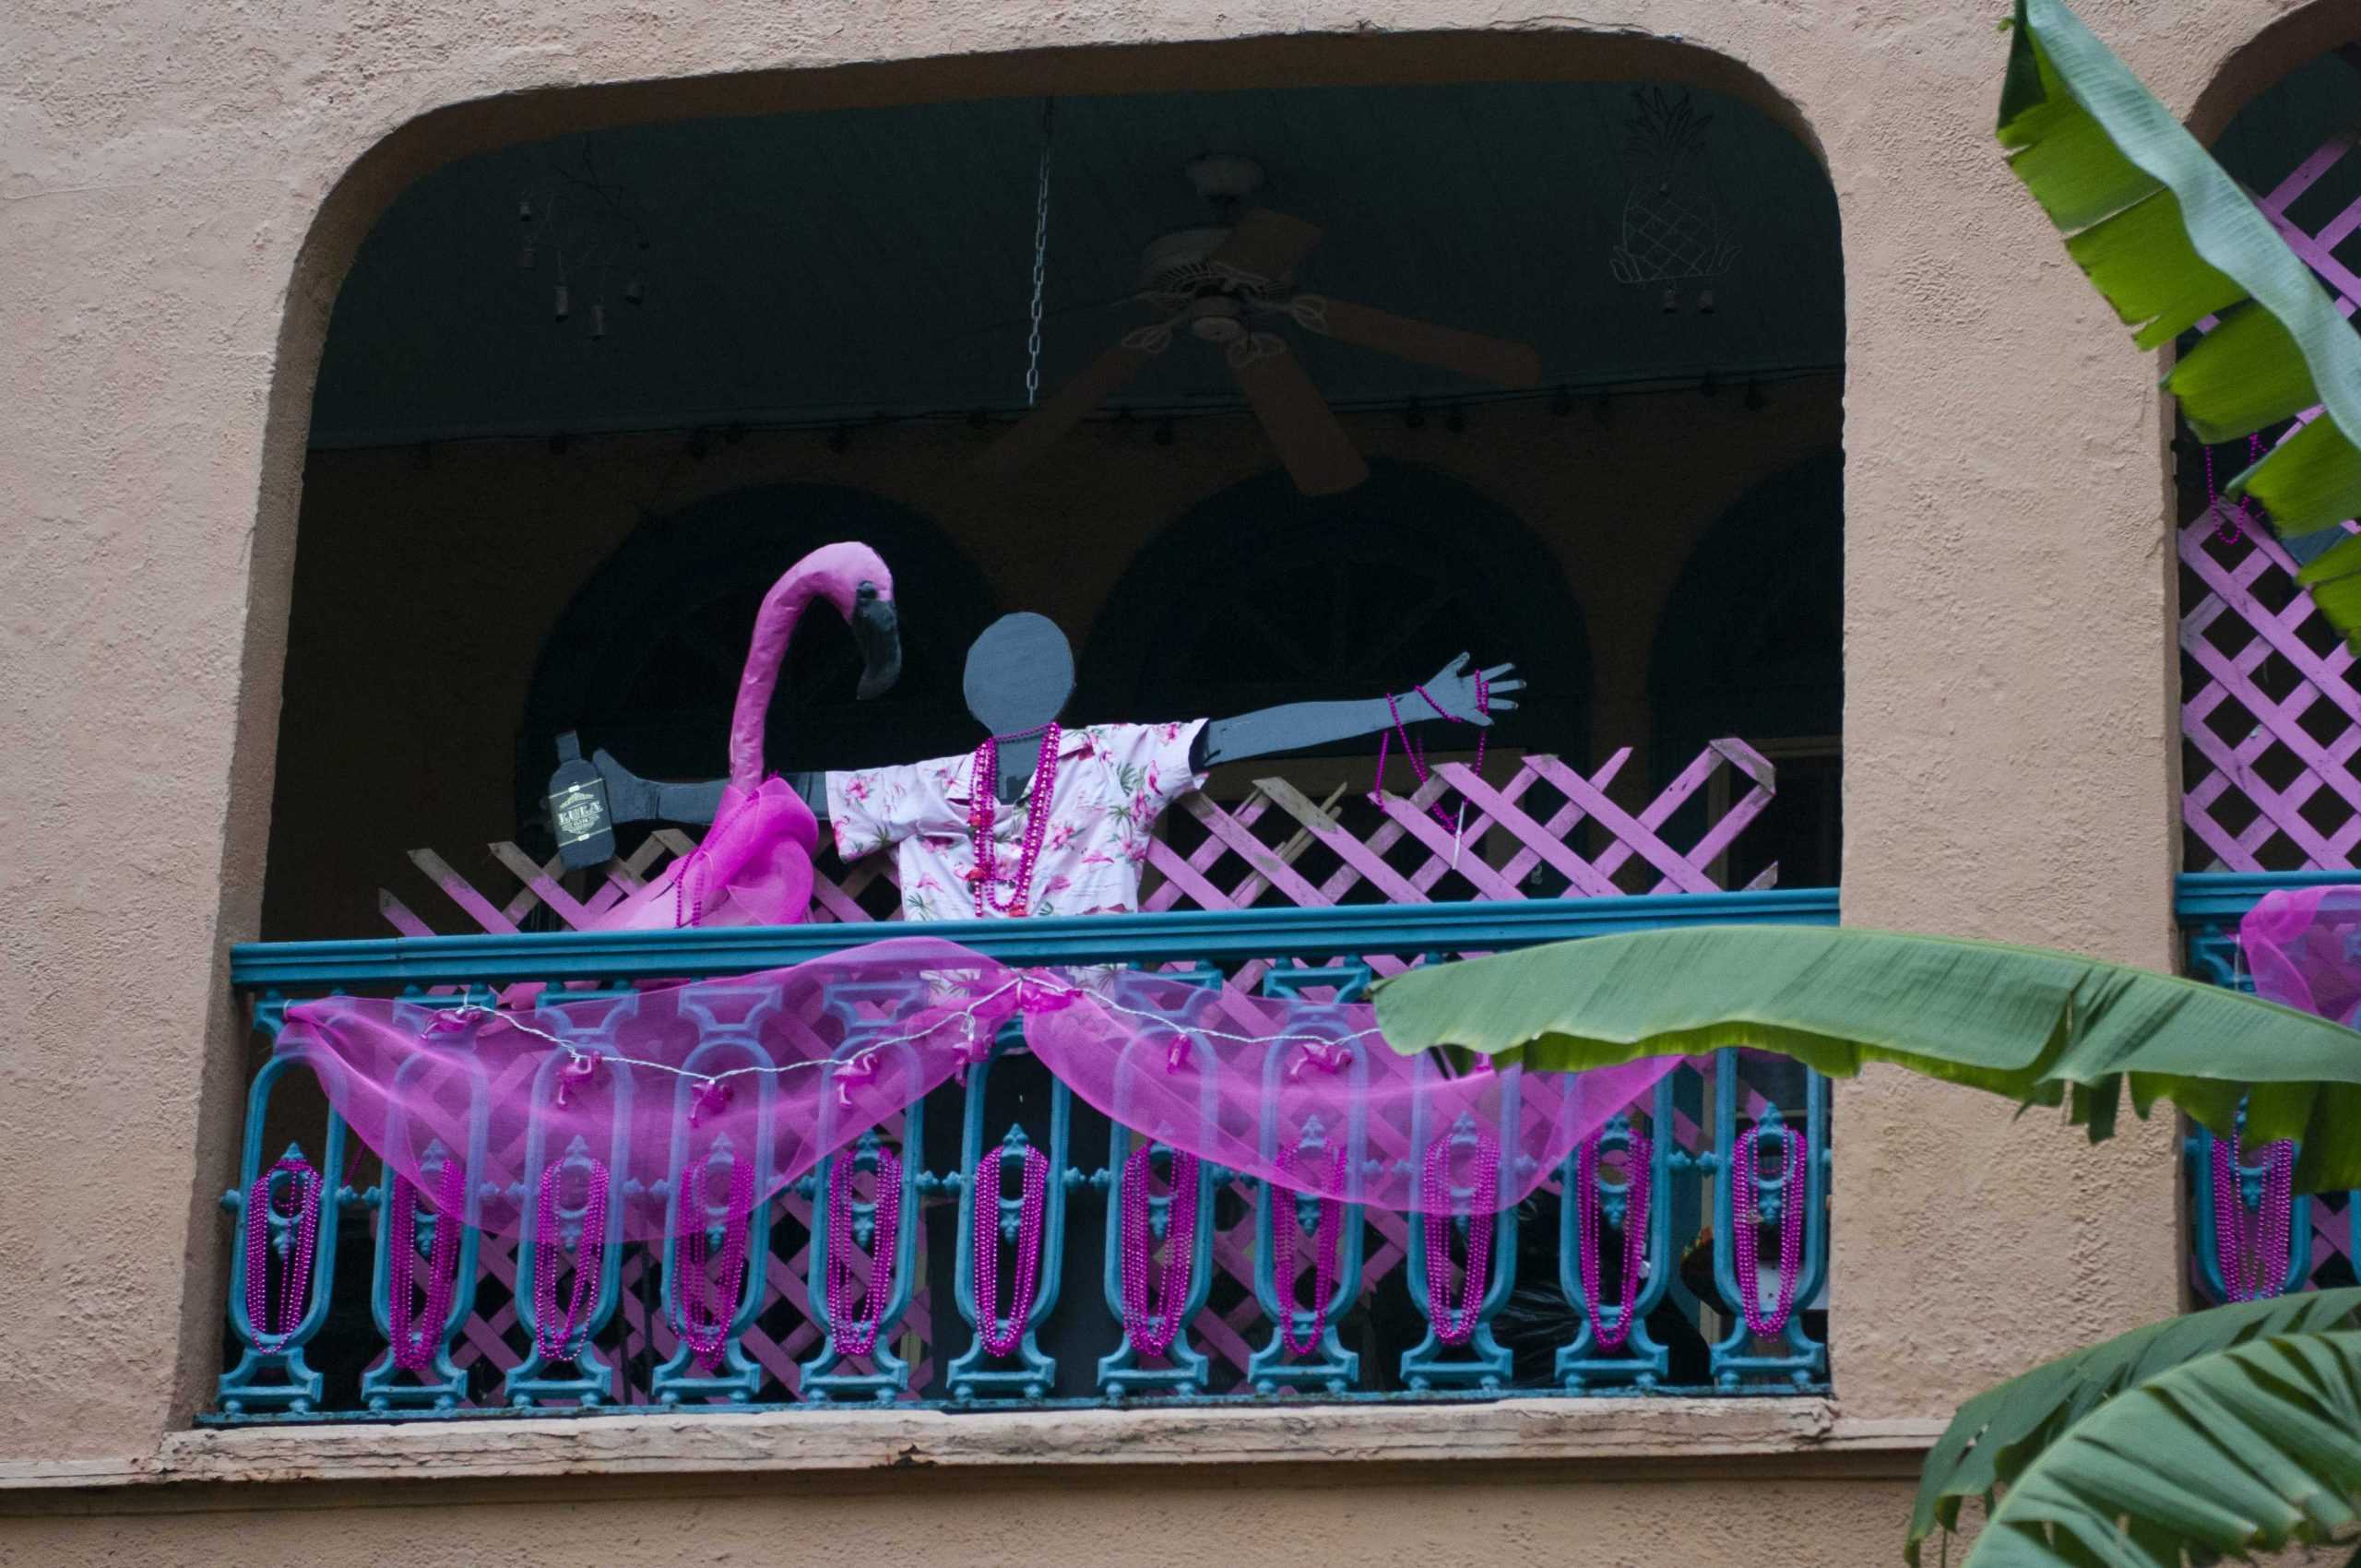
[
  {"x": 1457, "y": 1326},
  {"x": 2230, "y": 527},
  {"x": 1000, "y": 1337},
  {"x": 415, "y": 1339},
  {"x": 705, "y": 1309},
  {"x": 2252, "y": 1258},
  {"x": 983, "y": 778},
  {"x": 1152, "y": 1333},
  {"x": 553, "y": 1340},
  {"x": 271, "y": 1334},
  {"x": 1639, "y": 1153},
  {"x": 858, "y": 1336},
  {"x": 1326, "y": 1233},
  {"x": 1791, "y": 1227},
  {"x": 1417, "y": 754}
]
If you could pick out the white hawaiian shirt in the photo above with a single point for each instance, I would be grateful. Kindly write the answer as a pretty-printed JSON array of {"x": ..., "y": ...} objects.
[{"x": 1114, "y": 780}]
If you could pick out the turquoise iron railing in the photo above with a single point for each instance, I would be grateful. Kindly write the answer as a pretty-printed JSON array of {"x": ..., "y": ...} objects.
[
  {"x": 2318, "y": 1248},
  {"x": 1533, "y": 1334}
]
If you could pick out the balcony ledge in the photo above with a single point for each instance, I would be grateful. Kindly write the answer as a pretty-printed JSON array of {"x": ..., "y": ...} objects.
[{"x": 1609, "y": 1437}]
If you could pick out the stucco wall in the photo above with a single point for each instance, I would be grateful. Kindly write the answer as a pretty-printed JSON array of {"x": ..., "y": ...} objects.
[
  {"x": 1231, "y": 1519},
  {"x": 184, "y": 184}
]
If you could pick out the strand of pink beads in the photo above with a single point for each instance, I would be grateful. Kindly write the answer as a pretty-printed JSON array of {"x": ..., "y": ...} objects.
[
  {"x": 1417, "y": 754},
  {"x": 1328, "y": 1233},
  {"x": 1001, "y": 1336},
  {"x": 857, "y": 1336},
  {"x": 1791, "y": 1227},
  {"x": 1456, "y": 1326},
  {"x": 1639, "y": 1155},
  {"x": 2230, "y": 527},
  {"x": 417, "y": 1338},
  {"x": 271, "y": 1333},
  {"x": 2252, "y": 1257},
  {"x": 707, "y": 1306},
  {"x": 554, "y": 1340},
  {"x": 983, "y": 778},
  {"x": 1152, "y": 1333}
]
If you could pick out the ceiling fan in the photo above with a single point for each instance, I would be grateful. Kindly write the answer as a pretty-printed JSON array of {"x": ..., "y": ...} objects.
[{"x": 1226, "y": 285}]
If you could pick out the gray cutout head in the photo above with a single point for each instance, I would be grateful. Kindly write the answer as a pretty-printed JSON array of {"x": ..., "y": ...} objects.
[{"x": 1020, "y": 673}]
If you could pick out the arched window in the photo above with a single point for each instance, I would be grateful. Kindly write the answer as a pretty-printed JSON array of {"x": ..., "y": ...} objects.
[
  {"x": 1262, "y": 595},
  {"x": 645, "y": 661},
  {"x": 1752, "y": 645}
]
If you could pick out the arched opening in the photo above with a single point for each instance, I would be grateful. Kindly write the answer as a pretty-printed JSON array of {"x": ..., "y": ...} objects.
[
  {"x": 683, "y": 346},
  {"x": 1752, "y": 643}
]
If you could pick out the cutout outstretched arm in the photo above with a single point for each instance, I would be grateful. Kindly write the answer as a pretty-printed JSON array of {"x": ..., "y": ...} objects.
[{"x": 1451, "y": 694}]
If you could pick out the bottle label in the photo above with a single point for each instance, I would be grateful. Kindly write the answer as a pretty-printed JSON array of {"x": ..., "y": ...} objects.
[{"x": 579, "y": 812}]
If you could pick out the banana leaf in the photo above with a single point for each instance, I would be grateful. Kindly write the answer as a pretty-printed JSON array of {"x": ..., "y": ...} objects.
[
  {"x": 2170, "y": 238},
  {"x": 2254, "y": 1447},
  {"x": 2036, "y": 1025},
  {"x": 1997, "y": 1435}
]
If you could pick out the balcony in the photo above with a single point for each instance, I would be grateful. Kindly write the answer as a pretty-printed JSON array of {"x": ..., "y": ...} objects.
[{"x": 1374, "y": 1338}]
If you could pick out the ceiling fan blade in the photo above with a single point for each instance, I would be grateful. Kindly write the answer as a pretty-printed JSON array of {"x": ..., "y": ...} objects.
[
  {"x": 1067, "y": 407},
  {"x": 1268, "y": 244},
  {"x": 1470, "y": 353},
  {"x": 1318, "y": 455}
]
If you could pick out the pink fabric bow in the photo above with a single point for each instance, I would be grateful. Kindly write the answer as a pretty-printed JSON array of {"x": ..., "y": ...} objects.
[
  {"x": 1328, "y": 1055},
  {"x": 711, "y": 1098},
  {"x": 1035, "y": 995}
]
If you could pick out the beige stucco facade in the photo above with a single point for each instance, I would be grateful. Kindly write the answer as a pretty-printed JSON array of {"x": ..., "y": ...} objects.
[{"x": 182, "y": 190}]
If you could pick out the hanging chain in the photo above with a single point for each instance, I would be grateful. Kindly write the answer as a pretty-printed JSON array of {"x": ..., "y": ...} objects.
[{"x": 1041, "y": 262}]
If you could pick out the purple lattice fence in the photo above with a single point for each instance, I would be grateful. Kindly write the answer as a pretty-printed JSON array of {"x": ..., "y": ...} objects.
[
  {"x": 2272, "y": 721},
  {"x": 1545, "y": 821}
]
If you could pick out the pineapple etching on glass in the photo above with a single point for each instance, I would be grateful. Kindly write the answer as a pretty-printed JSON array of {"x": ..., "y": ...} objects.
[{"x": 1672, "y": 226}]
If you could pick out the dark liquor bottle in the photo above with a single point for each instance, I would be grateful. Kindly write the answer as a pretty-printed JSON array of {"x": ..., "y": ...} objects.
[{"x": 579, "y": 816}]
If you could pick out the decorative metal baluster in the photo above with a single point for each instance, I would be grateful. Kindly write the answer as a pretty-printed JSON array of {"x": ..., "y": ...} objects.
[
  {"x": 728, "y": 1044},
  {"x": 1640, "y": 1362},
  {"x": 893, "y": 1274},
  {"x": 1794, "y": 1354},
  {"x": 1485, "y": 1362},
  {"x": 271, "y": 1374},
  {"x": 1155, "y": 1059},
  {"x": 1316, "y": 1356},
  {"x": 441, "y": 1383},
  {"x": 974, "y": 1374},
  {"x": 599, "y": 1177},
  {"x": 2280, "y": 1265}
]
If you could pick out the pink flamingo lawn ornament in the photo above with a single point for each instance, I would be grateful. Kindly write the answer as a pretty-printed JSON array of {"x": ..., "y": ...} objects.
[{"x": 754, "y": 865}]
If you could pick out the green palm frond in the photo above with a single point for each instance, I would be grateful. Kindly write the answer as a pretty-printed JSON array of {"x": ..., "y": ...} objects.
[
  {"x": 2170, "y": 238},
  {"x": 2036, "y": 1025},
  {"x": 2001, "y": 1435}
]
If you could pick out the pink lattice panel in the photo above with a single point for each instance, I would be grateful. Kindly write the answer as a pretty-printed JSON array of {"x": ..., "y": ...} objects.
[{"x": 2271, "y": 722}]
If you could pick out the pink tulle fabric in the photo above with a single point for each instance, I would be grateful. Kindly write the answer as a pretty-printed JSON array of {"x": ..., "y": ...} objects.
[
  {"x": 783, "y": 1068},
  {"x": 2303, "y": 947},
  {"x": 753, "y": 867}
]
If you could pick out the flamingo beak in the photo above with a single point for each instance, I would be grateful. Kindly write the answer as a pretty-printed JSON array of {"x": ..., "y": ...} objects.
[{"x": 877, "y": 628}]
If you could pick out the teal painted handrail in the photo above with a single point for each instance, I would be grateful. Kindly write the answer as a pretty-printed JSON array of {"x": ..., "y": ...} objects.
[{"x": 1214, "y": 935}]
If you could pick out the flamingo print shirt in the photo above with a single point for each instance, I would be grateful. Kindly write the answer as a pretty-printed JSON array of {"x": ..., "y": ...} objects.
[{"x": 1114, "y": 780}]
